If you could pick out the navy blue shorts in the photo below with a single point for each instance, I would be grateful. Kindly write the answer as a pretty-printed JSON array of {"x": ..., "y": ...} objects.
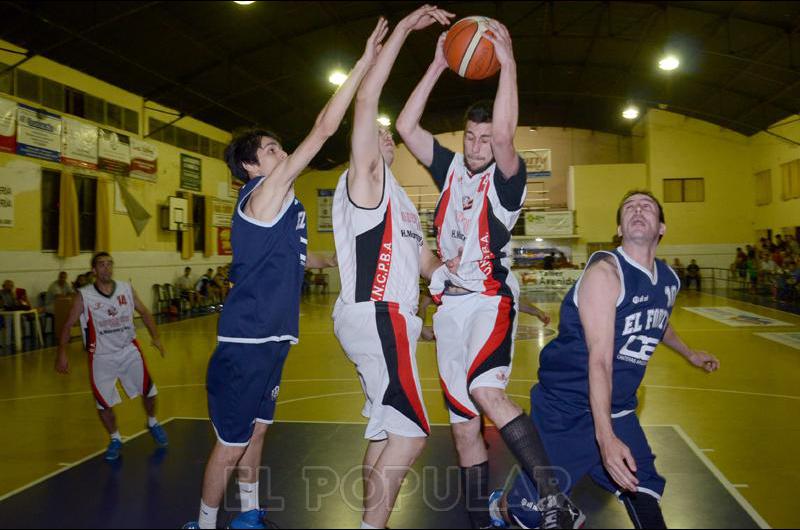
[
  {"x": 569, "y": 439},
  {"x": 243, "y": 383}
]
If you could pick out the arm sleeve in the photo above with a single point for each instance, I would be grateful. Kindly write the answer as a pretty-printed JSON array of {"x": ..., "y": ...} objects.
[
  {"x": 442, "y": 159},
  {"x": 512, "y": 190}
]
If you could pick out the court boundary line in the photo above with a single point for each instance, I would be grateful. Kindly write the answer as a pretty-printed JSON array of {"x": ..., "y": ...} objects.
[
  {"x": 715, "y": 471},
  {"x": 71, "y": 466}
]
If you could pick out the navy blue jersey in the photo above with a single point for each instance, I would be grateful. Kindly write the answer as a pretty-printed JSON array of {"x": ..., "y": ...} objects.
[
  {"x": 643, "y": 310},
  {"x": 267, "y": 274}
]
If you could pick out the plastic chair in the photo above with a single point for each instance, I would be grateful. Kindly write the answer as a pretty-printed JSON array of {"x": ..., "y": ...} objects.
[{"x": 162, "y": 302}]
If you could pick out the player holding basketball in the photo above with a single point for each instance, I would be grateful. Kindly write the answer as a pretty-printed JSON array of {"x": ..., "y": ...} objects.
[
  {"x": 105, "y": 310},
  {"x": 584, "y": 405},
  {"x": 483, "y": 191},
  {"x": 260, "y": 320},
  {"x": 381, "y": 250}
]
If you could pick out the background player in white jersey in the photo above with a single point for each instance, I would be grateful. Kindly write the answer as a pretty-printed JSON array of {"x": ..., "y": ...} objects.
[
  {"x": 261, "y": 316},
  {"x": 483, "y": 191},
  {"x": 105, "y": 309},
  {"x": 381, "y": 249}
]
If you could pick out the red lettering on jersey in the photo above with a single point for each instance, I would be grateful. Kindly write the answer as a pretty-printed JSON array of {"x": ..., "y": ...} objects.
[
  {"x": 122, "y": 300},
  {"x": 384, "y": 260}
]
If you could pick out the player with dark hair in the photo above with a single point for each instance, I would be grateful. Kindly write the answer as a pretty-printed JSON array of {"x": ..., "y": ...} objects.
[
  {"x": 584, "y": 405},
  {"x": 105, "y": 309},
  {"x": 483, "y": 192},
  {"x": 260, "y": 320}
]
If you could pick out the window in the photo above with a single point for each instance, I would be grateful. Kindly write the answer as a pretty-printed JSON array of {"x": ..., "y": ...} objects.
[
  {"x": 199, "y": 223},
  {"x": 94, "y": 109},
  {"x": 684, "y": 190},
  {"x": 131, "y": 121},
  {"x": 763, "y": 182},
  {"x": 790, "y": 175},
  {"x": 184, "y": 139},
  {"x": 51, "y": 185},
  {"x": 53, "y": 95},
  {"x": 86, "y": 190},
  {"x": 6, "y": 80},
  {"x": 28, "y": 86},
  {"x": 113, "y": 115},
  {"x": 75, "y": 102}
]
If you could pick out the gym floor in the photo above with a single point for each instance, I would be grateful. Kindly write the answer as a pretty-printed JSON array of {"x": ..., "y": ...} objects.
[{"x": 725, "y": 442}]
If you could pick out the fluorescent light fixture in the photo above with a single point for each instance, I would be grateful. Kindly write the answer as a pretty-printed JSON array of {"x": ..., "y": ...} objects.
[
  {"x": 539, "y": 240},
  {"x": 244, "y": 3},
  {"x": 630, "y": 113},
  {"x": 385, "y": 121},
  {"x": 338, "y": 78},
  {"x": 669, "y": 63}
]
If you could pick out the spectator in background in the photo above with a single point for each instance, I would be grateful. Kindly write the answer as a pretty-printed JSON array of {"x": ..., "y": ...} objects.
[
  {"x": 185, "y": 287},
  {"x": 550, "y": 262},
  {"x": 693, "y": 275},
  {"x": 780, "y": 244},
  {"x": 59, "y": 288},
  {"x": 8, "y": 296},
  {"x": 221, "y": 282},
  {"x": 679, "y": 269},
  {"x": 792, "y": 245}
]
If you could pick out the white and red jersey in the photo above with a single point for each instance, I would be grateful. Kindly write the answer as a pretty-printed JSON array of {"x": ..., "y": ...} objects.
[
  {"x": 107, "y": 321},
  {"x": 474, "y": 219},
  {"x": 378, "y": 249}
]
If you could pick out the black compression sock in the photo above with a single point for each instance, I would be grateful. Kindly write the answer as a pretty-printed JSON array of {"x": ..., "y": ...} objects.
[
  {"x": 475, "y": 485},
  {"x": 644, "y": 510},
  {"x": 524, "y": 442}
]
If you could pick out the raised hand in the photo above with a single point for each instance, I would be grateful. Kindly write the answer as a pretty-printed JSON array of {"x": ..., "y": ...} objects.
[
  {"x": 424, "y": 17},
  {"x": 499, "y": 36},
  {"x": 439, "y": 59},
  {"x": 373, "y": 46}
]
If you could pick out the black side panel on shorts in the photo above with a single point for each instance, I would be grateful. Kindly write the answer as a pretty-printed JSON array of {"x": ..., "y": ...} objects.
[
  {"x": 395, "y": 395},
  {"x": 502, "y": 355},
  {"x": 368, "y": 247}
]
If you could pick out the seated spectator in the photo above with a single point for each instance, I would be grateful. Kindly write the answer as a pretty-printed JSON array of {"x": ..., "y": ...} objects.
[
  {"x": 693, "y": 275},
  {"x": 550, "y": 262},
  {"x": 206, "y": 290},
  {"x": 13, "y": 299},
  {"x": 59, "y": 288},
  {"x": 221, "y": 282},
  {"x": 185, "y": 287},
  {"x": 677, "y": 266}
]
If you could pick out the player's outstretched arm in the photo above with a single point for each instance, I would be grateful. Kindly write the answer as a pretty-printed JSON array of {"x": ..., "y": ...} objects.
[
  {"x": 365, "y": 182},
  {"x": 597, "y": 304},
  {"x": 532, "y": 310},
  {"x": 62, "y": 361},
  {"x": 149, "y": 323},
  {"x": 418, "y": 140},
  {"x": 506, "y": 104},
  {"x": 318, "y": 261},
  {"x": 700, "y": 359}
]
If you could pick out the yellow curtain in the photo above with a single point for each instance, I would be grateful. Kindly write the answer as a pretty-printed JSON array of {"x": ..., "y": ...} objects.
[
  {"x": 103, "y": 234},
  {"x": 187, "y": 250},
  {"x": 209, "y": 229},
  {"x": 69, "y": 242}
]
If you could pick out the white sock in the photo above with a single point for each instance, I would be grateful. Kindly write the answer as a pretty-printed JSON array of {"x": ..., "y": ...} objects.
[
  {"x": 208, "y": 517},
  {"x": 248, "y": 495},
  {"x": 152, "y": 421},
  {"x": 116, "y": 436},
  {"x": 366, "y": 526}
]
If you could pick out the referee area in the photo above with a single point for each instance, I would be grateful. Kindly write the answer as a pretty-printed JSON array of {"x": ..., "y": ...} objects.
[{"x": 725, "y": 444}]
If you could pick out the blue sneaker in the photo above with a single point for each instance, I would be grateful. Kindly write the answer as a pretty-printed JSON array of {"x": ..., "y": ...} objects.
[
  {"x": 191, "y": 526},
  {"x": 159, "y": 435},
  {"x": 254, "y": 519},
  {"x": 114, "y": 448},
  {"x": 494, "y": 510}
]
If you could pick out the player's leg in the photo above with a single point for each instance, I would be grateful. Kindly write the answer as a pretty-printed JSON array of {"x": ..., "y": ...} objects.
[
  {"x": 386, "y": 478},
  {"x": 136, "y": 381},
  {"x": 103, "y": 372},
  {"x": 643, "y": 506},
  {"x": 274, "y": 357},
  {"x": 464, "y": 418}
]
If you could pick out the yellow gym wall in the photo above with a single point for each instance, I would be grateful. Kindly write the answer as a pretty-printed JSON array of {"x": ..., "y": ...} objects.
[{"x": 768, "y": 153}]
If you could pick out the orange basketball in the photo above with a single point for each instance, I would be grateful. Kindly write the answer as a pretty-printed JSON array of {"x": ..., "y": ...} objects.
[{"x": 468, "y": 53}]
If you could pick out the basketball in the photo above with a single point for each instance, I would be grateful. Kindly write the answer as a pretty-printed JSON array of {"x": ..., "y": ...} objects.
[{"x": 468, "y": 53}]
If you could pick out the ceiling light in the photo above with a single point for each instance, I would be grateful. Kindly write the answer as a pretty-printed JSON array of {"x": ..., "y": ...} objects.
[
  {"x": 669, "y": 63},
  {"x": 630, "y": 113},
  {"x": 385, "y": 121},
  {"x": 533, "y": 129},
  {"x": 539, "y": 240},
  {"x": 338, "y": 78},
  {"x": 244, "y": 3}
]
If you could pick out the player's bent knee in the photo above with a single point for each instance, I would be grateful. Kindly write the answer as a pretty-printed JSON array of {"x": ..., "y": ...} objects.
[{"x": 488, "y": 398}]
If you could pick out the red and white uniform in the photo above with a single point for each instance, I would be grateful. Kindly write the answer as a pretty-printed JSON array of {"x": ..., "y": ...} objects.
[
  {"x": 475, "y": 331},
  {"x": 375, "y": 316},
  {"x": 109, "y": 336}
]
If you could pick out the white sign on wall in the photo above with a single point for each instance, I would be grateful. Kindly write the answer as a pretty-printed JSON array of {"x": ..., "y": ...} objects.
[
  {"x": 549, "y": 224},
  {"x": 6, "y": 202},
  {"x": 538, "y": 163}
]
